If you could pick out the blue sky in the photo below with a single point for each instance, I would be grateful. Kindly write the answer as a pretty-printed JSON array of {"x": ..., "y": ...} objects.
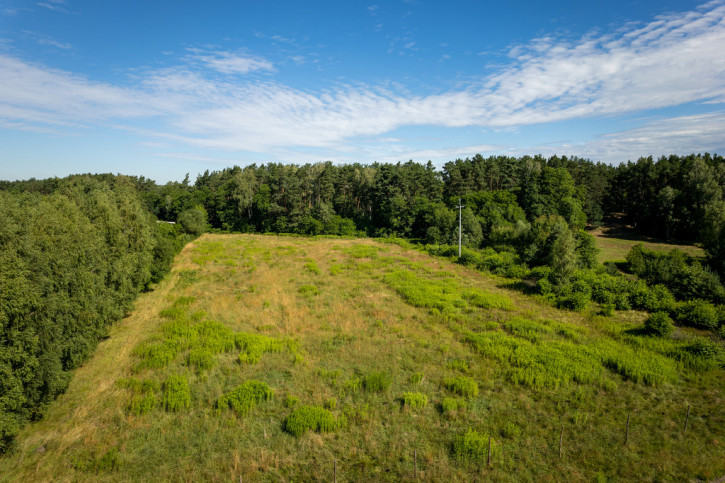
[{"x": 163, "y": 88}]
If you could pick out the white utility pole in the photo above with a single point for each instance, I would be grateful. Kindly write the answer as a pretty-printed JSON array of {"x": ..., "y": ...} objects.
[{"x": 460, "y": 226}]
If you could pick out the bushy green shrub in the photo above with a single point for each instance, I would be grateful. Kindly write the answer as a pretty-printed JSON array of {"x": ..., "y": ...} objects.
[
  {"x": 699, "y": 314},
  {"x": 245, "y": 397},
  {"x": 177, "y": 395},
  {"x": 462, "y": 386},
  {"x": 659, "y": 324},
  {"x": 193, "y": 221},
  {"x": 312, "y": 418},
  {"x": 414, "y": 400}
]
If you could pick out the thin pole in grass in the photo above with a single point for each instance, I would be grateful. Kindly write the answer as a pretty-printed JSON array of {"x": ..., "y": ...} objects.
[
  {"x": 415, "y": 463},
  {"x": 687, "y": 418},
  {"x": 334, "y": 471},
  {"x": 489, "y": 452},
  {"x": 561, "y": 440},
  {"x": 626, "y": 434}
]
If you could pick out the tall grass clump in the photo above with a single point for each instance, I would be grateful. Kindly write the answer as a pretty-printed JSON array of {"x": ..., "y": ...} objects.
[
  {"x": 177, "y": 395},
  {"x": 414, "y": 400},
  {"x": 378, "y": 381},
  {"x": 485, "y": 300},
  {"x": 641, "y": 366},
  {"x": 526, "y": 329},
  {"x": 421, "y": 292},
  {"x": 312, "y": 418},
  {"x": 312, "y": 267},
  {"x": 462, "y": 386},
  {"x": 252, "y": 346},
  {"x": 245, "y": 397},
  {"x": 471, "y": 447}
]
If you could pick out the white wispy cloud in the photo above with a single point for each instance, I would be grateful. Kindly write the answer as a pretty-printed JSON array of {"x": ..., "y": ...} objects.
[
  {"x": 673, "y": 60},
  {"x": 230, "y": 63},
  {"x": 55, "y": 5},
  {"x": 43, "y": 39}
]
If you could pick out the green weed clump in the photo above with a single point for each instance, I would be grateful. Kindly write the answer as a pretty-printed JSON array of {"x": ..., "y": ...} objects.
[
  {"x": 144, "y": 395},
  {"x": 156, "y": 354},
  {"x": 462, "y": 386},
  {"x": 471, "y": 447},
  {"x": 546, "y": 365},
  {"x": 511, "y": 430},
  {"x": 187, "y": 278},
  {"x": 252, "y": 346},
  {"x": 312, "y": 418},
  {"x": 215, "y": 336},
  {"x": 638, "y": 366},
  {"x": 485, "y": 300},
  {"x": 245, "y": 397},
  {"x": 142, "y": 404},
  {"x": 414, "y": 400},
  {"x": 201, "y": 358},
  {"x": 526, "y": 329},
  {"x": 177, "y": 395},
  {"x": 362, "y": 251},
  {"x": 438, "y": 294},
  {"x": 308, "y": 290},
  {"x": 376, "y": 381},
  {"x": 450, "y": 406},
  {"x": 312, "y": 267},
  {"x": 700, "y": 355},
  {"x": 458, "y": 365}
]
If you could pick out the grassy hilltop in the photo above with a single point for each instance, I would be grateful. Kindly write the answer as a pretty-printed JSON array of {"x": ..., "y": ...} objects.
[{"x": 276, "y": 358}]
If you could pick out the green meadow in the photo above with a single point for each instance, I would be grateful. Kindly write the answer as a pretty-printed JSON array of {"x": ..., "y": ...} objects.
[{"x": 264, "y": 358}]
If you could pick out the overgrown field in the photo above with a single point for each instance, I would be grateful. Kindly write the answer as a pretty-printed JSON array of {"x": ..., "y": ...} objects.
[
  {"x": 283, "y": 359},
  {"x": 615, "y": 242}
]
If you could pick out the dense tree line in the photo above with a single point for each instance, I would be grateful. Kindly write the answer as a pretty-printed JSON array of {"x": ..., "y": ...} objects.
[{"x": 74, "y": 254}]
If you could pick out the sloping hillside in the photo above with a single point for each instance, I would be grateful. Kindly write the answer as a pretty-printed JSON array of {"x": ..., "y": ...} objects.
[{"x": 282, "y": 358}]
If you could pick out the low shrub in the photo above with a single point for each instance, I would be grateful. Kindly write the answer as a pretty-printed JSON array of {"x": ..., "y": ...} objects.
[
  {"x": 312, "y": 418},
  {"x": 659, "y": 324}
]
